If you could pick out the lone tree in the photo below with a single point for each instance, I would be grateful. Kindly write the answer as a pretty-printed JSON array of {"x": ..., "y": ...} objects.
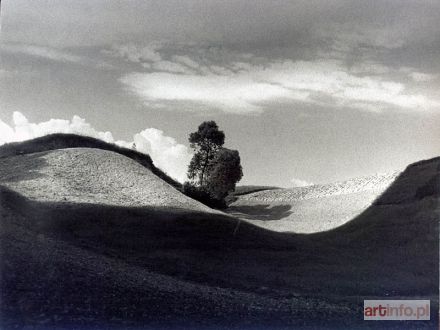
[
  {"x": 213, "y": 170},
  {"x": 206, "y": 142},
  {"x": 224, "y": 173}
]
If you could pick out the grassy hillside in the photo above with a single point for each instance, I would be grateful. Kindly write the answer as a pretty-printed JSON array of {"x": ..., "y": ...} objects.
[
  {"x": 77, "y": 262},
  {"x": 243, "y": 190},
  {"x": 90, "y": 175},
  {"x": 313, "y": 208},
  {"x": 63, "y": 141}
]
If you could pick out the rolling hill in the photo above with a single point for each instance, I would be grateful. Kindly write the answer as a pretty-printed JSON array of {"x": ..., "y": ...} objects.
[
  {"x": 64, "y": 141},
  {"x": 92, "y": 239},
  {"x": 89, "y": 175},
  {"x": 313, "y": 208}
]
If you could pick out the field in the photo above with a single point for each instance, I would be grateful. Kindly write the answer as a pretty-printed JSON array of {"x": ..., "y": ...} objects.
[
  {"x": 309, "y": 209},
  {"x": 92, "y": 239}
]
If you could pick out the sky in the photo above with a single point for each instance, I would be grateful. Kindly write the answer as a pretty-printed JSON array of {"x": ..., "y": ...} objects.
[{"x": 307, "y": 91}]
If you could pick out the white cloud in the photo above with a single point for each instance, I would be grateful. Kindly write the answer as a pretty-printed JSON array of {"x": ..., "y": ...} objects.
[
  {"x": 249, "y": 87},
  {"x": 369, "y": 67},
  {"x": 384, "y": 93},
  {"x": 22, "y": 129},
  {"x": 169, "y": 66},
  {"x": 165, "y": 152},
  {"x": 238, "y": 93},
  {"x": 422, "y": 77},
  {"x": 132, "y": 53},
  {"x": 186, "y": 61},
  {"x": 7, "y": 134},
  {"x": 219, "y": 70},
  {"x": 150, "y": 58},
  {"x": 300, "y": 183},
  {"x": 40, "y": 51},
  {"x": 206, "y": 79}
]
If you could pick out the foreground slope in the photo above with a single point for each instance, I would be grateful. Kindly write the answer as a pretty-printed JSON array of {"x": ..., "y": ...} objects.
[
  {"x": 109, "y": 246},
  {"x": 313, "y": 208}
]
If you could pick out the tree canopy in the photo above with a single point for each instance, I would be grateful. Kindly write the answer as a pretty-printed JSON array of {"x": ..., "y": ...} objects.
[
  {"x": 224, "y": 173},
  {"x": 213, "y": 170},
  {"x": 206, "y": 141}
]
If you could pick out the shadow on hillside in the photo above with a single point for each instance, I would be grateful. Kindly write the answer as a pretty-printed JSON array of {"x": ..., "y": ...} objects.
[
  {"x": 28, "y": 169},
  {"x": 143, "y": 227},
  {"x": 261, "y": 212},
  {"x": 401, "y": 203},
  {"x": 398, "y": 238},
  {"x": 390, "y": 250}
]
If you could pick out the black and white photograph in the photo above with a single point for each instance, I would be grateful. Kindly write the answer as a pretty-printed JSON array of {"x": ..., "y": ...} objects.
[{"x": 219, "y": 164}]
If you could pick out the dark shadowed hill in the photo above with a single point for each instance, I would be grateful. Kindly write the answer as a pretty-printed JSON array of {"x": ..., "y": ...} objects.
[
  {"x": 125, "y": 250},
  {"x": 64, "y": 141}
]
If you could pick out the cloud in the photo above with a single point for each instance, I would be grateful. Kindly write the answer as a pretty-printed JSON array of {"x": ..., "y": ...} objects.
[
  {"x": 239, "y": 94},
  {"x": 370, "y": 68},
  {"x": 186, "y": 61},
  {"x": 22, "y": 129},
  {"x": 169, "y": 66},
  {"x": 347, "y": 38},
  {"x": 242, "y": 87},
  {"x": 201, "y": 78},
  {"x": 151, "y": 58},
  {"x": 132, "y": 53},
  {"x": 243, "y": 23},
  {"x": 422, "y": 77},
  {"x": 40, "y": 51},
  {"x": 300, "y": 183},
  {"x": 7, "y": 134},
  {"x": 329, "y": 78},
  {"x": 165, "y": 152}
]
